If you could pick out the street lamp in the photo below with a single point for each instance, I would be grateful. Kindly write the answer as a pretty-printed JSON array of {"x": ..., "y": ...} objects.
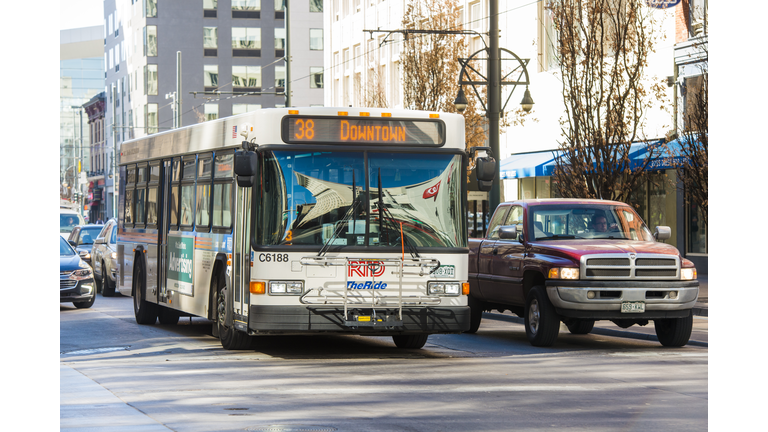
[
  {"x": 495, "y": 83},
  {"x": 78, "y": 185}
]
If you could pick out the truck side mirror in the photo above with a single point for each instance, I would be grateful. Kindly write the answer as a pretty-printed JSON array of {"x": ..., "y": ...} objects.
[
  {"x": 662, "y": 232},
  {"x": 246, "y": 168},
  {"x": 508, "y": 232}
]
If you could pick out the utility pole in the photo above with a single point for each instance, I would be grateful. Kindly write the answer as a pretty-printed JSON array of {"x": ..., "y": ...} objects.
[
  {"x": 177, "y": 99},
  {"x": 494, "y": 99},
  {"x": 287, "y": 54}
]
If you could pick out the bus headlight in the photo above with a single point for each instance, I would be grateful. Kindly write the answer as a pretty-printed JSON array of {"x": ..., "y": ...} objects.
[
  {"x": 286, "y": 287},
  {"x": 444, "y": 288}
]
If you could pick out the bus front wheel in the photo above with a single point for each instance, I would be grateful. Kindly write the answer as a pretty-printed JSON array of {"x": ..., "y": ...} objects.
[
  {"x": 231, "y": 338},
  {"x": 145, "y": 312}
]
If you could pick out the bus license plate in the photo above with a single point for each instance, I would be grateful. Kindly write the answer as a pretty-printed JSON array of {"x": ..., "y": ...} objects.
[
  {"x": 446, "y": 271},
  {"x": 632, "y": 307}
]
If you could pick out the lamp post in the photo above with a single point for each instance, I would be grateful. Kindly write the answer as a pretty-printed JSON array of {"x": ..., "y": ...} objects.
[
  {"x": 79, "y": 164},
  {"x": 495, "y": 82}
]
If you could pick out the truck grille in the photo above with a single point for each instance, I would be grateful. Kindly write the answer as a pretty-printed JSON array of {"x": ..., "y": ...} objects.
[{"x": 630, "y": 266}]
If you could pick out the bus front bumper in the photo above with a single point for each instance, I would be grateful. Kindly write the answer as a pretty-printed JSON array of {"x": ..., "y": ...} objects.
[{"x": 382, "y": 321}]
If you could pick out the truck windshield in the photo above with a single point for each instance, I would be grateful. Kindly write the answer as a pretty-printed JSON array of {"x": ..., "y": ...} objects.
[
  {"x": 317, "y": 198},
  {"x": 587, "y": 222}
]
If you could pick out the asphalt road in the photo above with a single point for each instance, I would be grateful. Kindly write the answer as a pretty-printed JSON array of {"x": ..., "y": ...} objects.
[{"x": 180, "y": 379}]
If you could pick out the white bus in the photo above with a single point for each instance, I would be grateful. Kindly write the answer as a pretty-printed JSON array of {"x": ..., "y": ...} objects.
[{"x": 299, "y": 221}]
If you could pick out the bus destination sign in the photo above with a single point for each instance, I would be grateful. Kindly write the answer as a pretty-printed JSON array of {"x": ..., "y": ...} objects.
[{"x": 363, "y": 130}]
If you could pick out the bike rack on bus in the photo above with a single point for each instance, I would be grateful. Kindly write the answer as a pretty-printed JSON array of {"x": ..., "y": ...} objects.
[{"x": 324, "y": 296}]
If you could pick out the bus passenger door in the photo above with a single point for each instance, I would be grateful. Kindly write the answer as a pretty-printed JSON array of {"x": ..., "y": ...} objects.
[
  {"x": 241, "y": 257},
  {"x": 163, "y": 224}
]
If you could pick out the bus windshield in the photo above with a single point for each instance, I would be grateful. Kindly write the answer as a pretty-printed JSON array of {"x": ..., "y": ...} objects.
[{"x": 314, "y": 198}]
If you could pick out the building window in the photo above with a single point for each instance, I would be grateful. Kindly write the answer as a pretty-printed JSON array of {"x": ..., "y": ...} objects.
[
  {"x": 246, "y": 77},
  {"x": 211, "y": 111},
  {"x": 317, "y": 5},
  {"x": 209, "y": 8},
  {"x": 150, "y": 79},
  {"x": 316, "y": 77},
  {"x": 475, "y": 17},
  {"x": 697, "y": 230},
  {"x": 210, "y": 77},
  {"x": 150, "y": 118},
  {"x": 280, "y": 77},
  {"x": 279, "y": 9},
  {"x": 316, "y": 39},
  {"x": 151, "y": 8},
  {"x": 210, "y": 41},
  {"x": 246, "y": 42},
  {"x": 244, "y": 108},
  {"x": 246, "y": 8},
  {"x": 150, "y": 41},
  {"x": 279, "y": 42}
]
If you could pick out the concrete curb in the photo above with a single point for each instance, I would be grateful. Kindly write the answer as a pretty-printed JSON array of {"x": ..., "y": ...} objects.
[{"x": 596, "y": 330}]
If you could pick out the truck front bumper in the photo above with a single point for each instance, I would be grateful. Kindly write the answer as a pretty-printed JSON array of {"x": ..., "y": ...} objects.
[
  {"x": 311, "y": 319},
  {"x": 603, "y": 299}
]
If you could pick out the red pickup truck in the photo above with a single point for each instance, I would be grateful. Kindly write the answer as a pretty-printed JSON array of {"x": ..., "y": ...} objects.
[{"x": 578, "y": 261}]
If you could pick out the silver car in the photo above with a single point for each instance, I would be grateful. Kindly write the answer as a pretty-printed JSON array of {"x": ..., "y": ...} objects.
[{"x": 104, "y": 259}]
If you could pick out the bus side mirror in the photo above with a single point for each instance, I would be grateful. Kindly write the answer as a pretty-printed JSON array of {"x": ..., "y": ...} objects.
[
  {"x": 246, "y": 168},
  {"x": 485, "y": 171},
  {"x": 485, "y": 167}
]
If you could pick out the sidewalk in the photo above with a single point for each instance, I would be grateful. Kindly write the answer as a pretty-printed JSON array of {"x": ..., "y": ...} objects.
[{"x": 87, "y": 406}]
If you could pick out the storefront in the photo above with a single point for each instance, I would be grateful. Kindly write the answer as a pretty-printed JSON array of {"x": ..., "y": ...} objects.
[{"x": 659, "y": 200}]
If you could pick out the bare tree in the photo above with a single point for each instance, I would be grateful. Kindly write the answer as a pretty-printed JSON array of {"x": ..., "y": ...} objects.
[
  {"x": 603, "y": 48},
  {"x": 373, "y": 94},
  {"x": 431, "y": 66}
]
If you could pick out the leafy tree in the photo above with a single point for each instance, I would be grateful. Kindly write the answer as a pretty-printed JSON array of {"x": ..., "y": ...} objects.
[{"x": 603, "y": 48}]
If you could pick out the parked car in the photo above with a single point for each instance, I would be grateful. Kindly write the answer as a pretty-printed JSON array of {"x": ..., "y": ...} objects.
[
  {"x": 68, "y": 220},
  {"x": 76, "y": 277},
  {"x": 82, "y": 238},
  {"x": 104, "y": 259},
  {"x": 578, "y": 261}
]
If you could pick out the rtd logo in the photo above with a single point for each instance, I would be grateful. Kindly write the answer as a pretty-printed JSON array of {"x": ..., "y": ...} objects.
[{"x": 366, "y": 269}]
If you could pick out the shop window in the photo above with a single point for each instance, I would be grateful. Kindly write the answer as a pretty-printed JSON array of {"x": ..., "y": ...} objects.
[{"x": 696, "y": 230}]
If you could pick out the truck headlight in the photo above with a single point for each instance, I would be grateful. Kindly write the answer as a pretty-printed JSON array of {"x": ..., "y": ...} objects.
[
  {"x": 286, "y": 287},
  {"x": 563, "y": 273},
  {"x": 444, "y": 288},
  {"x": 688, "y": 273}
]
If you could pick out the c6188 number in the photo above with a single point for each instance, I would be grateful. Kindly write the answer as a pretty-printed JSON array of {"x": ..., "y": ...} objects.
[{"x": 273, "y": 257}]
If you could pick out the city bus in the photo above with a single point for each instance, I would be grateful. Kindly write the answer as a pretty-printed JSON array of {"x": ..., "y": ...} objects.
[{"x": 296, "y": 221}]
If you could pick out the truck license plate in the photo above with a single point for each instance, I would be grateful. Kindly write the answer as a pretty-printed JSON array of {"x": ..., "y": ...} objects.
[
  {"x": 446, "y": 271},
  {"x": 632, "y": 307}
]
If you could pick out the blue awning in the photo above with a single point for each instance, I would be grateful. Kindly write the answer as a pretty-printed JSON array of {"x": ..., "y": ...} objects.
[
  {"x": 534, "y": 164},
  {"x": 539, "y": 164}
]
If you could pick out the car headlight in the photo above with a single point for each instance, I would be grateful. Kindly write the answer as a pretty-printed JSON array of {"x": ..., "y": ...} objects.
[
  {"x": 286, "y": 287},
  {"x": 85, "y": 255},
  {"x": 444, "y": 288},
  {"x": 688, "y": 273},
  {"x": 113, "y": 255},
  {"x": 81, "y": 274},
  {"x": 563, "y": 273}
]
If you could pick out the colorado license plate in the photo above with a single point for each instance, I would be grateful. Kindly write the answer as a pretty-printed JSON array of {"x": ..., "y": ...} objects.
[
  {"x": 632, "y": 307},
  {"x": 446, "y": 271}
]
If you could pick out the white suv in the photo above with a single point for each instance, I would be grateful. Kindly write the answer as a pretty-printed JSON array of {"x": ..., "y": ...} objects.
[{"x": 68, "y": 220}]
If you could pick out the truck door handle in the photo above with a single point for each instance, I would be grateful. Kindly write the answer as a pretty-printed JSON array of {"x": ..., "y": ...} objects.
[{"x": 495, "y": 251}]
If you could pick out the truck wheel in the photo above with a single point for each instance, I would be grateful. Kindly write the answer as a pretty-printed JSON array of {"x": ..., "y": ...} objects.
[
  {"x": 541, "y": 321},
  {"x": 475, "y": 314},
  {"x": 108, "y": 288},
  {"x": 230, "y": 337},
  {"x": 581, "y": 326},
  {"x": 145, "y": 312},
  {"x": 410, "y": 341},
  {"x": 674, "y": 332}
]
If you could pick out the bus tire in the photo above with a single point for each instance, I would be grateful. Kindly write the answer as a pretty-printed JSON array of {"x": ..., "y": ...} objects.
[
  {"x": 475, "y": 314},
  {"x": 410, "y": 341},
  {"x": 230, "y": 337},
  {"x": 107, "y": 287},
  {"x": 168, "y": 316},
  {"x": 145, "y": 312}
]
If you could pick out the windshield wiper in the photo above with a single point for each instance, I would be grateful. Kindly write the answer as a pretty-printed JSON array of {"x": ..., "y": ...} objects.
[
  {"x": 559, "y": 236},
  {"x": 351, "y": 214}
]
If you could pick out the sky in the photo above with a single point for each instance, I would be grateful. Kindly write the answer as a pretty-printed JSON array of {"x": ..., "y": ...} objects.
[{"x": 81, "y": 13}]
